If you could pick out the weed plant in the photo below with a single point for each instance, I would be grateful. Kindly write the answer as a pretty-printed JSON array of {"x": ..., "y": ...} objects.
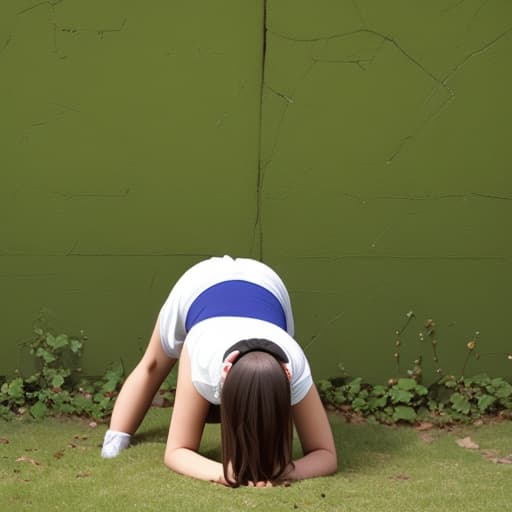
[{"x": 448, "y": 399}]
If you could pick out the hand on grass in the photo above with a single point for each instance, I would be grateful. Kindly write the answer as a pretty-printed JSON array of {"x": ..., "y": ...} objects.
[{"x": 261, "y": 483}]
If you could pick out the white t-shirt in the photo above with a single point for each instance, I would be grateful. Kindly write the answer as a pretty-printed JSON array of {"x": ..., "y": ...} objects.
[{"x": 208, "y": 340}]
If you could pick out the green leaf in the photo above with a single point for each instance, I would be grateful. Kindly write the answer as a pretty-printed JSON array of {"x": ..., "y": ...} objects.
[
  {"x": 81, "y": 402},
  {"x": 485, "y": 401},
  {"x": 449, "y": 383},
  {"x": 50, "y": 339},
  {"x": 460, "y": 403},
  {"x": 420, "y": 390},
  {"x": 377, "y": 403},
  {"x": 116, "y": 372},
  {"x": 67, "y": 409},
  {"x": 110, "y": 385},
  {"x": 324, "y": 385},
  {"x": 498, "y": 382},
  {"x": 75, "y": 346},
  {"x": 340, "y": 397},
  {"x": 406, "y": 384},
  {"x": 482, "y": 379},
  {"x": 354, "y": 387},
  {"x": 44, "y": 354},
  {"x": 432, "y": 405},
  {"x": 38, "y": 410},
  {"x": 57, "y": 342},
  {"x": 57, "y": 381},
  {"x": 504, "y": 391},
  {"x": 43, "y": 394},
  {"x": 33, "y": 379},
  {"x": 399, "y": 396},
  {"x": 359, "y": 404},
  {"x": 5, "y": 413},
  {"x": 50, "y": 373},
  {"x": 15, "y": 389},
  {"x": 379, "y": 390},
  {"x": 404, "y": 413},
  {"x": 98, "y": 397}
]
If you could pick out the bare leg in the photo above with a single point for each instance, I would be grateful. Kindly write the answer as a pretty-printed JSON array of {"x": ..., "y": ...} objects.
[
  {"x": 137, "y": 394},
  {"x": 140, "y": 387}
]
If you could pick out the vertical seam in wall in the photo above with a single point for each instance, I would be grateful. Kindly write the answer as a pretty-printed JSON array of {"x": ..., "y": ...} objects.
[{"x": 258, "y": 227}]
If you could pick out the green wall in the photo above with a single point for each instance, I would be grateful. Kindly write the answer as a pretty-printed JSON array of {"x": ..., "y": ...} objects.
[{"x": 371, "y": 169}]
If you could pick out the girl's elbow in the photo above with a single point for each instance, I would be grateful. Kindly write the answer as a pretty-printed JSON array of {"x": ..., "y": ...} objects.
[
  {"x": 330, "y": 463},
  {"x": 169, "y": 459},
  {"x": 332, "y": 466}
]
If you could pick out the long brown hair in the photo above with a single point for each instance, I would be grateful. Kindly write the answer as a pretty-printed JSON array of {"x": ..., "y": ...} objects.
[{"x": 256, "y": 420}]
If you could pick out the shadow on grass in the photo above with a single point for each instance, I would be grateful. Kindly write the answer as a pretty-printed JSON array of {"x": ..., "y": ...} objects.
[
  {"x": 359, "y": 447},
  {"x": 151, "y": 435},
  {"x": 210, "y": 443},
  {"x": 364, "y": 446},
  {"x": 159, "y": 435}
]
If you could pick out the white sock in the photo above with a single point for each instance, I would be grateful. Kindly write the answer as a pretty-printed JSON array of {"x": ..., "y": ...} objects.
[{"x": 114, "y": 443}]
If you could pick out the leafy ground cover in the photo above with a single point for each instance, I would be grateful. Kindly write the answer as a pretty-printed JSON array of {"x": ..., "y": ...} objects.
[{"x": 54, "y": 464}]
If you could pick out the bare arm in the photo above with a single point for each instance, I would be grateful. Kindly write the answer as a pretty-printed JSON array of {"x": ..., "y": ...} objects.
[
  {"x": 316, "y": 438},
  {"x": 186, "y": 429}
]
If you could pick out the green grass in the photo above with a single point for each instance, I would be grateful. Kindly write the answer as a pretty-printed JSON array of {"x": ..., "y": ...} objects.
[{"x": 381, "y": 469}]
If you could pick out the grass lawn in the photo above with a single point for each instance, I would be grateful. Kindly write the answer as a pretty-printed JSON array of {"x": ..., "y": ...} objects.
[{"x": 55, "y": 465}]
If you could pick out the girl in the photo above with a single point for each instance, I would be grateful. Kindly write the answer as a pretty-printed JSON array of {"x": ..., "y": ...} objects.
[{"x": 230, "y": 324}]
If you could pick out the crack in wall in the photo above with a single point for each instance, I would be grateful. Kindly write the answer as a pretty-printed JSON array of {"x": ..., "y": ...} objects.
[
  {"x": 492, "y": 196},
  {"x": 322, "y": 328},
  {"x": 27, "y": 276},
  {"x": 9, "y": 254},
  {"x": 94, "y": 195},
  {"x": 74, "y": 195},
  {"x": 290, "y": 100},
  {"x": 451, "y": 93},
  {"x": 371, "y": 289},
  {"x": 373, "y": 256},
  {"x": 280, "y": 94},
  {"x": 453, "y": 7},
  {"x": 430, "y": 197},
  {"x": 379, "y": 237},
  {"x": 477, "y": 12},
  {"x": 406, "y": 140},
  {"x": 358, "y": 12},
  {"x": 65, "y": 107},
  {"x": 50, "y": 3},
  {"x": 57, "y": 116},
  {"x": 295, "y": 291},
  {"x": 6, "y": 44},
  {"x": 475, "y": 53},
  {"x": 100, "y": 32},
  {"x": 152, "y": 282},
  {"x": 440, "y": 83},
  {"x": 140, "y": 254},
  {"x": 375, "y": 33},
  {"x": 260, "y": 175},
  {"x": 280, "y": 123},
  {"x": 56, "y": 27},
  {"x": 362, "y": 64}
]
